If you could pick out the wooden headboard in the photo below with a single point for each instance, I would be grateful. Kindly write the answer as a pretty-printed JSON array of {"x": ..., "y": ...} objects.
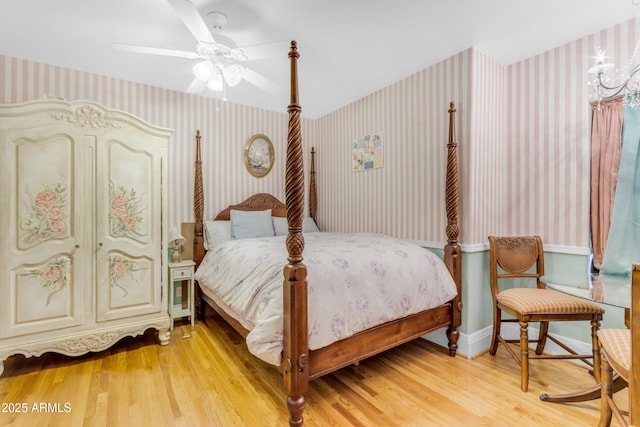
[{"x": 257, "y": 202}]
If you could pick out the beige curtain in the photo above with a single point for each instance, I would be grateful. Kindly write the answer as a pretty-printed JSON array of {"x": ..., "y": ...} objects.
[{"x": 606, "y": 143}]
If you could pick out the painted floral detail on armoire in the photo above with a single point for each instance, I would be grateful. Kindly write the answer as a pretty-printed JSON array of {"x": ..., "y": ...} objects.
[
  {"x": 121, "y": 273},
  {"x": 53, "y": 276},
  {"x": 47, "y": 216},
  {"x": 125, "y": 214}
]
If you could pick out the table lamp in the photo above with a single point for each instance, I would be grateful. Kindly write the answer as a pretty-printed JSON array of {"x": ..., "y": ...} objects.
[{"x": 176, "y": 241}]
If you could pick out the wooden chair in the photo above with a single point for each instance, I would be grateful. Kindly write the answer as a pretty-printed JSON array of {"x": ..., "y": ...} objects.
[
  {"x": 516, "y": 257},
  {"x": 621, "y": 353}
]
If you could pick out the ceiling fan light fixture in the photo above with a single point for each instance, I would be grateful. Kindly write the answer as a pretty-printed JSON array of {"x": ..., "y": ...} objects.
[
  {"x": 232, "y": 74},
  {"x": 215, "y": 83},
  {"x": 203, "y": 70}
]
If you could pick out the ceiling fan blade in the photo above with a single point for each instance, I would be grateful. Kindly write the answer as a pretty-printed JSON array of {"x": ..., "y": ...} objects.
[
  {"x": 259, "y": 80},
  {"x": 156, "y": 51},
  {"x": 190, "y": 16},
  {"x": 264, "y": 50},
  {"x": 197, "y": 86}
]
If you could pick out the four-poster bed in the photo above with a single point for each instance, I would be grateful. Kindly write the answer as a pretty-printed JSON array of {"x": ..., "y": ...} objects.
[{"x": 299, "y": 362}]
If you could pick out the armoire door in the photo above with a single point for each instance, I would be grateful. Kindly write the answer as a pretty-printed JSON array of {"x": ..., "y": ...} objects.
[
  {"x": 129, "y": 233},
  {"x": 43, "y": 259}
]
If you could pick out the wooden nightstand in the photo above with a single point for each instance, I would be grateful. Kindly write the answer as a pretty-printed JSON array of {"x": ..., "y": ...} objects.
[{"x": 181, "y": 304}]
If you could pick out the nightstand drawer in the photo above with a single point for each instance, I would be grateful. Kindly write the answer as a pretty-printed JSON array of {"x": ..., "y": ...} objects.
[{"x": 181, "y": 273}]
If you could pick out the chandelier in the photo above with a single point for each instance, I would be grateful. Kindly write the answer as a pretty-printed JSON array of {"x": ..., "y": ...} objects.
[{"x": 609, "y": 83}]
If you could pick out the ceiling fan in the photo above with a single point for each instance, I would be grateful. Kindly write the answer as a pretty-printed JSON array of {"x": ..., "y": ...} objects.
[{"x": 218, "y": 57}]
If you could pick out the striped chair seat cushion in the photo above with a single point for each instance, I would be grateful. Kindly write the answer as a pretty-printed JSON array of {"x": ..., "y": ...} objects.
[
  {"x": 616, "y": 346},
  {"x": 545, "y": 301}
]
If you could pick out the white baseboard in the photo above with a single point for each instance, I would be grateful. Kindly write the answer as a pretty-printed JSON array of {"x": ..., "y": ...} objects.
[
  {"x": 472, "y": 345},
  {"x": 468, "y": 345}
]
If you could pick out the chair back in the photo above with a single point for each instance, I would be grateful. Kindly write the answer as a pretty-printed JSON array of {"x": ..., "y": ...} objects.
[{"x": 515, "y": 255}]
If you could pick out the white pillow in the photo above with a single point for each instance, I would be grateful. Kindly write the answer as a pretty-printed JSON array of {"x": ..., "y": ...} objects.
[
  {"x": 215, "y": 233},
  {"x": 247, "y": 224},
  {"x": 309, "y": 226},
  {"x": 282, "y": 228}
]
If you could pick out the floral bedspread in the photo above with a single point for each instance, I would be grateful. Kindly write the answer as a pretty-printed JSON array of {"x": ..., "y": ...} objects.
[{"x": 356, "y": 281}]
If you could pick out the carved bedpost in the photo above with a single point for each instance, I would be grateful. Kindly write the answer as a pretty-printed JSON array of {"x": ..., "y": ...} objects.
[
  {"x": 295, "y": 356},
  {"x": 313, "y": 195},
  {"x": 452, "y": 253},
  {"x": 198, "y": 205},
  {"x": 198, "y": 209}
]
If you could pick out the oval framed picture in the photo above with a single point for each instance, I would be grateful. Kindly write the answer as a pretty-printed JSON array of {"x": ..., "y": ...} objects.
[{"x": 258, "y": 155}]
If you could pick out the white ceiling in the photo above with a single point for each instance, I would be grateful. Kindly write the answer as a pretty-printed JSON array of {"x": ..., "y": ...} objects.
[{"x": 348, "y": 48}]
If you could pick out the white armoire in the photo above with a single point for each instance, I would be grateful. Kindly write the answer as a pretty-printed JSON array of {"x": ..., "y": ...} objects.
[{"x": 83, "y": 257}]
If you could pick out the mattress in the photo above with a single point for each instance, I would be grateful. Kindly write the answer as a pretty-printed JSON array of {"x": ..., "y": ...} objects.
[{"x": 355, "y": 282}]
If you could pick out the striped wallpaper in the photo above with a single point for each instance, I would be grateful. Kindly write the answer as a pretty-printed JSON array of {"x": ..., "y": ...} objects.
[
  {"x": 523, "y": 131},
  {"x": 225, "y": 128},
  {"x": 483, "y": 173},
  {"x": 405, "y": 197},
  {"x": 547, "y": 144}
]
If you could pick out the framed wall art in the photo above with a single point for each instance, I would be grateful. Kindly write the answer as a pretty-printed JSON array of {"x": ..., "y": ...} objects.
[
  {"x": 258, "y": 155},
  {"x": 366, "y": 152}
]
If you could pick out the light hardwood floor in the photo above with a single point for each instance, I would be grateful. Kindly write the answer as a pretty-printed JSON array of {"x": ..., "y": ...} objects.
[{"x": 210, "y": 379}]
